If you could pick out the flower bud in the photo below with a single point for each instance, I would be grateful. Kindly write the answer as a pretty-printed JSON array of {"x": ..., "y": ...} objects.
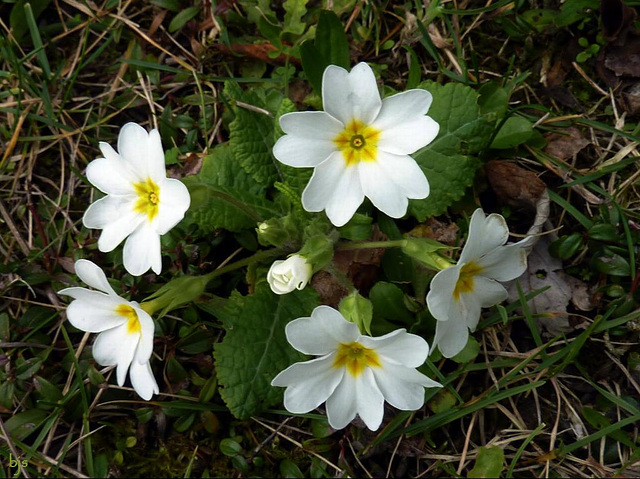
[
  {"x": 426, "y": 251},
  {"x": 175, "y": 293},
  {"x": 292, "y": 273},
  {"x": 275, "y": 232}
]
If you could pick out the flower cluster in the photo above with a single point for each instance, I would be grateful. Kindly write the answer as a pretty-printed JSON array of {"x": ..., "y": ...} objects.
[
  {"x": 141, "y": 204},
  {"x": 359, "y": 147}
]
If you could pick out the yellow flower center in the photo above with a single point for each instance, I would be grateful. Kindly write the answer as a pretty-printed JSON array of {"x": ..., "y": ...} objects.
[
  {"x": 465, "y": 280},
  {"x": 355, "y": 357},
  {"x": 148, "y": 198},
  {"x": 133, "y": 323},
  {"x": 358, "y": 142}
]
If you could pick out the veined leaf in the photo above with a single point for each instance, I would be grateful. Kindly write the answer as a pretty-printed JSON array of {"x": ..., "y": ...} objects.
[
  {"x": 449, "y": 162},
  {"x": 251, "y": 137},
  {"x": 255, "y": 347}
]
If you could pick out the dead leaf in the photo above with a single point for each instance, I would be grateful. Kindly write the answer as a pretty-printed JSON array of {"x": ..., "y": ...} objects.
[
  {"x": 514, "y": 185},
  {"x": 545, "y": 271},
  {"x": 616, "y": 18},
  {"x": 192, "y": 166},
  {"x": 563, "y": 146},
  {"x": 624, "y": 59},
  {"x": 361, "y": 265},
  {"x": 328, "y": 288},
  {"x": 436, "y": 230}
]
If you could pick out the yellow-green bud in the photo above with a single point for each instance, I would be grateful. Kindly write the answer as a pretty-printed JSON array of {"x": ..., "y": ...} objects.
[
  {"x": 426, "y": 251},
  {"x": 175, "y": 293}
]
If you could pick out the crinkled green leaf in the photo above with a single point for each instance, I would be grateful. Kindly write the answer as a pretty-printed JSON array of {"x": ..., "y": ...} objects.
[
  {"x": 449, "y": 162},
  {"x": 255, "y": 348},
  {"x": 233, "y": 209},
  {"x": 224, "y": 195},
  {"x": 220, "y": 168},
  {"x": 294, "y": 11},
  {"x": 251, "y": 137},
  {"x": 488, "y": 463}
]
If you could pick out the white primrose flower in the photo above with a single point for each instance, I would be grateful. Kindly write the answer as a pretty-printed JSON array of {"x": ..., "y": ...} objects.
[
  {"x": 286, "y": 275},
  {"x": 126, "y": 331},
  {"x": 359, "y": 146},
  {"x": 459, "y": 292},
  {"x": 355, "y": 373},
  {"x": 141, "y": 203}
]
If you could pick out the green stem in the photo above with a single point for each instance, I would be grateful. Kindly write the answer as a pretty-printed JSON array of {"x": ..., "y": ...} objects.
[
  {"x": 259, "y": 256},
  {"x": 371, "y": 245},
  {"x": 185, "y": 289}
]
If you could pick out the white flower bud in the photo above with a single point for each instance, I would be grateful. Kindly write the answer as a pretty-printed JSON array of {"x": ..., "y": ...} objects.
[{"x": 286, "y": 275}]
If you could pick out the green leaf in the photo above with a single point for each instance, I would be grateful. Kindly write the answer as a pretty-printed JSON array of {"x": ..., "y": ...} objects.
[
  {"x": 224, "y": 195},
  {"x": 388, "y": 303},
  {"x": 414, "y": 68},
  {"x": 288, "y": 468},
  {"x": 181, "y": 19},
  {"x": 566, "y": 246},
  {"x": 359, "y": 310},
  {"x": 313, "y": 64},
  {"x": 331, "y": 40},
  {"x": 171, "y": 5},
  {"x": 232, "y": 209},
  {"x": 230, "y": 447},
  {"x": 442, "y": 402},
  {"x": 255, "y": 348},
  {"x": 469, "y": 352},
  {"x": 449, "y": 162},
  {"x": 488, "y": 463},
  {"x": 515, "y": 131},
  {"x": 251, "y": 137},
  {"x": 575, "y": 10},
  {"x": 18, "y": 20},
  {"x": 604, "y": 232},
  {"x": 330, "y": 47},
  {"x": 493, "y": 99},
  {"x": 20, "y": 425},
  {"x": 220, "y": 168},
  {"x": 614, "y": 265},
  {"x": 294, "y": 11}
]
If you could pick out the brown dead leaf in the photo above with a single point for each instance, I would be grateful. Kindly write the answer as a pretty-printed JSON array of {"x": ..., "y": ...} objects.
[
  {"x": 624, "y": 60},
  {"x": 328, "y": 288},
  {"x": 436, "y": 230},
  {"x": 257, "y": 51},
  {"x": 513, "y": 185},
  {"x": 563, "y": 146},
  {"x": 361, "y": 266},
  {"x": 192, "y": 166},
  {"x": 545, "y": 271}
]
